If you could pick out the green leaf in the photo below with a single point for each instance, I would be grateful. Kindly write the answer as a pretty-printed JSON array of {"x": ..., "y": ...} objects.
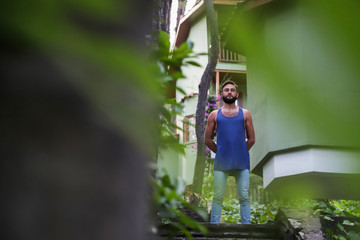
[
  {"x": 193, "y": 63},
  {"x": 353, "y": 235},
  {"x": 182, "y": 47},
  {"x": 328, "y": 230},
  {"x": 341, "y": 227},
  {"x": 263, "y": 218},
  {"x": 163, "y": 39},
  {"x": 349, "y": 223},
  {"x": 166, "y": 181},
  {"x": 322, "y": 204},
  {"x": 183, "y": 229},
  {"x": 177, "y": 75},
  {"x": 181, "y": 90},
  {"x": 328, "y": 218},
  {"x": 173, "y": 102}
]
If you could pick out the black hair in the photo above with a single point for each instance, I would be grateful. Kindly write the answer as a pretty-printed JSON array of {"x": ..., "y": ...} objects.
[{"x": 229, "y": 82}]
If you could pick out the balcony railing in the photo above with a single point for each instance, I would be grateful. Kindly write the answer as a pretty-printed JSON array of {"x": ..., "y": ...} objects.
[{"x": 228, "y": 56}]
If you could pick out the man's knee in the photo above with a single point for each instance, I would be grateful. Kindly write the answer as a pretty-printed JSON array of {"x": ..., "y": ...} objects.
[
  {"x": 244, "y": 196},
  {"x": 218, "y": 197}
]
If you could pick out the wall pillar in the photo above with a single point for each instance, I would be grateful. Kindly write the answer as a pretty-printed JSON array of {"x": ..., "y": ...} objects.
[{"x": 217, "y": 88}]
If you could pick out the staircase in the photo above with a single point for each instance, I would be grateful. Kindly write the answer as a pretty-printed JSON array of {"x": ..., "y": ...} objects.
[{"x": 229, "y": 231}]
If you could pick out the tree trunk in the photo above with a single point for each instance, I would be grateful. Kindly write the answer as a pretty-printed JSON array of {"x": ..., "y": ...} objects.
[
  {"x": 70, "y": 169},
  {"x": 180, "y": 12},
  {"x": 203, "y": 93},
  {"x": 161, "y": 15}
]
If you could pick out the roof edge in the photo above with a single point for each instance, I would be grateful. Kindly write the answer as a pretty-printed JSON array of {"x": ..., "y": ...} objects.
[
  {"x": 258, "y": 168},
  {"x": 185, "y": 23}
]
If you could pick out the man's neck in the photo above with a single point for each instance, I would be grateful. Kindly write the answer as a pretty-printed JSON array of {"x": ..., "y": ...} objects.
[{"x": 229, "y": 106}]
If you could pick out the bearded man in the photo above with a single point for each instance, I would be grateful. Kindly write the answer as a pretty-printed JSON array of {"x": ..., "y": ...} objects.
[{"x": 234, "y": 137}]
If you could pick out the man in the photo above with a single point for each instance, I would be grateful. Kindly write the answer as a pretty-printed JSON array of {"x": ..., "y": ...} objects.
[{"x": 234, "y": 137}]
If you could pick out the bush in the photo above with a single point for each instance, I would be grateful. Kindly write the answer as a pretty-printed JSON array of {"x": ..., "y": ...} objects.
[
  {"x": 329, "y": 210},
  {"x": 263, "y": 213},
  {"x": 168, "y": 204},
  {"x": 230, "y": 211},
  {"x": 260, "y": 213}
]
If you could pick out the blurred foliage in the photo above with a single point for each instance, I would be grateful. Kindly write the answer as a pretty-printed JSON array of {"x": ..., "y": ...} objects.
[
  {"x": 320, "y": 78},
  {"x": 230, "y": 211},
  {"x": 211, "y": 105},
  {"x": 261, "y": 213},
  {"x": 265, "y": 212},
  {"x": 328, "y": 209},
  {"x": 169, "y": 62},
  {"x": 346, "y": 235},
  {"x": 90, "y": 43},
  {"x": 336, "y": 208},
  {"x": 168, "y": 199}
]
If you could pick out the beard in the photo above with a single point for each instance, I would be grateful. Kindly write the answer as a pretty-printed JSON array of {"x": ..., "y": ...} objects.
[{"x": 229, "y": 100}]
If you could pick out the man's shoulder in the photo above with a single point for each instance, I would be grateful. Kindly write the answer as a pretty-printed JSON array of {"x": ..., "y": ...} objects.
[
  {"x": 214, "y": 111},
  {"x": 213, "y": 114},
  {"x": 246, "y": 113},
  {"x": 245, "y": 110}
]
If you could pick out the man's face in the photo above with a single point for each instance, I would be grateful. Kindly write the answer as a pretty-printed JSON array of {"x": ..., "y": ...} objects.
[{"x": 229, "y": 93}]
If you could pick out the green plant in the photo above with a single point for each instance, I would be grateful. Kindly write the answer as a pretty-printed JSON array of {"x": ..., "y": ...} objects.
[
  {"x": 208, "y": 191},
  {"x": 168, "y": 70},
  {"x": 230, "y": 211},
  {"x": 263, "y": 213},
  {"x": 260, "y": 213},
  {"x": 334, "y": 208},
  {"x": 342, "y": 208},
  {"x": 168, "y": 197},
  {"x": 168, "y": 200},
  {"x": 348, "y": 235}
]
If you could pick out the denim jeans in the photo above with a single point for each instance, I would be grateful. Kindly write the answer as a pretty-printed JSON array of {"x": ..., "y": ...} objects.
[{"x": 242, "y": 182}]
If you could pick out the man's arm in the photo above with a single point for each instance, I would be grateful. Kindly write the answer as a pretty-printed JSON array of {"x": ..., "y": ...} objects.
[
  {"x": 250, "y": 133},
  {"x": 209, "y": 131}
]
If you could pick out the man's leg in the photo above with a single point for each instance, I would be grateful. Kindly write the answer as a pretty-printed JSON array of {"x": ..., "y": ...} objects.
[
  {"x": 219, "y": 190},
  {"x": 242, "y": 181}
]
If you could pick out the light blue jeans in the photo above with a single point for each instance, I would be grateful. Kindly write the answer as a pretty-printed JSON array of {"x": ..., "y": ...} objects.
[{"x": 242, "y": 182}]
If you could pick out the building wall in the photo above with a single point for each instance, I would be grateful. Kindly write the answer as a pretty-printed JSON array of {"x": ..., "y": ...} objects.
[
  {"x": 187, "y": 161},
  {"x": 199, "y": 37},
  {"x": 308, "y": 91},
  {"x": 171, "y": 162}
]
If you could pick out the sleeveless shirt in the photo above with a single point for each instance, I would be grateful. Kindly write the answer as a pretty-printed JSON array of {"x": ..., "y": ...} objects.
[{"x": 232, "y": 152}]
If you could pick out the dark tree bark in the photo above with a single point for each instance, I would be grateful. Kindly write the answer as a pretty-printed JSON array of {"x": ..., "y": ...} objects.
[
  {"x": 161, "y": 15},
  {"x": 180, "y": 12},
  {"x": 203, "y": 93},
  {"x": 69, "y": 170}
]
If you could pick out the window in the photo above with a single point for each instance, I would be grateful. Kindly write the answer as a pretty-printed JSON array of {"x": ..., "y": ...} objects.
[{"x": 189, "y": 128}]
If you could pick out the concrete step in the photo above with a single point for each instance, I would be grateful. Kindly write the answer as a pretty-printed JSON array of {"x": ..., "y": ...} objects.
[{"x": 229, "y": 231}]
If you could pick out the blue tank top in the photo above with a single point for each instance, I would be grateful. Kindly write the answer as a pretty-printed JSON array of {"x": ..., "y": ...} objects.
[{"x": 232, "y": 152}]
